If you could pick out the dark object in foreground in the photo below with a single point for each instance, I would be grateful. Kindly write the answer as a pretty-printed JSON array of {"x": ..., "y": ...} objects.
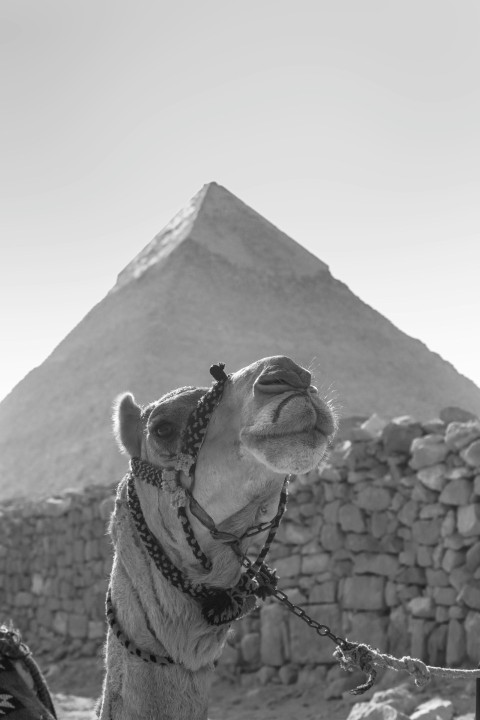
[{"x": 23, "y": 691}]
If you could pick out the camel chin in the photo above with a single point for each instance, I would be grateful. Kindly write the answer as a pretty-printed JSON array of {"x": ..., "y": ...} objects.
[{"x": 292, "y": 453}]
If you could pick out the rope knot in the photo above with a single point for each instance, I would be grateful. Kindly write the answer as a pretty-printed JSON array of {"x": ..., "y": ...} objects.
[
  {"x": 357, "y": 655},
  {"x": 417, "y": 668}
]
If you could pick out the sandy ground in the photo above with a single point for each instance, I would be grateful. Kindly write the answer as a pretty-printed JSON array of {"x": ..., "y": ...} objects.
[{"x": 76, "y": 686}]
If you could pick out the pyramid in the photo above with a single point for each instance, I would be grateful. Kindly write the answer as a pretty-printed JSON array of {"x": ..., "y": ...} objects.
[{"x": 219, "y": 283}]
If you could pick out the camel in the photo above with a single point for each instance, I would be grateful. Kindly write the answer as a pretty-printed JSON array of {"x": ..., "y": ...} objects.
[{"x": 207, "y": 466}]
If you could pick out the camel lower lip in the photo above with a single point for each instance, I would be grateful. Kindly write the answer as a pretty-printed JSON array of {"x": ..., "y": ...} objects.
[{"x": 306, "y": 431}]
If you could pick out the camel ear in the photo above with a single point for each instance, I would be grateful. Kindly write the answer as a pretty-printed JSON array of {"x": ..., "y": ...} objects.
[{"x": 127, "y": 426}]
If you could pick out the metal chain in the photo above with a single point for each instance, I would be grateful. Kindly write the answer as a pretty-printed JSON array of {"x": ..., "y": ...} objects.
[{"x": 261, "y": 575}]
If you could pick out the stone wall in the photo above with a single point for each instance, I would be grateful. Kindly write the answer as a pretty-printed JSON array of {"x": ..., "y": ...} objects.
[{"x": 382, "y": 545}]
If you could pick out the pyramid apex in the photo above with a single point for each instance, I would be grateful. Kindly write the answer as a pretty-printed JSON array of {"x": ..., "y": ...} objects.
[{"x": 221, "y": 223}]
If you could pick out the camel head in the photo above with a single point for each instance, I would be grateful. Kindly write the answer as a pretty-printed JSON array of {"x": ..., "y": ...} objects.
[{"x": 269, "y": 422}]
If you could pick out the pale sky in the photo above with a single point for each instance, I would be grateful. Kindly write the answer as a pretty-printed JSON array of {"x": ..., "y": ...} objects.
[{"x": 352, "y": 125}]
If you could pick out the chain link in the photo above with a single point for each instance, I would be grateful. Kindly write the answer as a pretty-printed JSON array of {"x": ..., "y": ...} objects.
[{"x": 322, "y": 630}]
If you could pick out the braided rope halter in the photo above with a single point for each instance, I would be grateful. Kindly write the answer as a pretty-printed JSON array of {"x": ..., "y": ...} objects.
[{"x": 219, "y": 606}]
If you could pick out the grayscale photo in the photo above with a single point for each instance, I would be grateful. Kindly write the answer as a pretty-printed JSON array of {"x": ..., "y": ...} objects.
[{"x": 240, "y": 365}]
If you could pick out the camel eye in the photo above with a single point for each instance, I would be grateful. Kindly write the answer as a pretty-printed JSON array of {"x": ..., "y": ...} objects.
[{"x": 164, "y": 430}]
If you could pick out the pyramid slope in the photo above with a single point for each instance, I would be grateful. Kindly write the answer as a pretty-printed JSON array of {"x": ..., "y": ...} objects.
[{"x": 164, "y": 327}]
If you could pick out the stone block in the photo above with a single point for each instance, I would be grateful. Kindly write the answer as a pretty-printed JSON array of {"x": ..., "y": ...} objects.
[
  {"x": 288, "y": 567},
  {"x": 455, "y": 414},
  {"x": 459, "y": 435},
  {"x": 363, "y": 592},
  {"x": 426, "y": 532},
  {"x": 472, "y": 633},
  {"x": 398, "y": 435},
  {"x": 96, "y": 629},
  {"x": 23, "y": 599},
  {"x": 315, "y": 564},
  {"x": 274, "y": 646},
  {"x": 470, "y": 595},
  {"x": 77, "y": 626},
  {"x": 437, "y": 578},
  {"x": 455, "y": 644},
  {"x": 351, "y": 519},
  {"x": 445, "y": 595},
  {"x": 418, "y": 629},
  {"x": 468, "y": 520},
  {"x": 432, "y": 510},
  {"x": 374, "y": 426},
  {"x": 449, "y": 523},
  {"x": 288, "y": 674},
  {"x": 296, "y": 534},
  {"x": 433, "y": 477},
  {"x": 452, "y": 559},
  {"x": 330, "y": 511},
  {"x": 374, "y": 498},
  {"x": 398, "y": 697},
  {"x": 409, "y": 513},
  {"x": 376, "y": 564},
  {"x": 324, "y": 592},
  {"x": 472, "y": 557},
  {"x": 421, "y": 607},
  {"x": 425, "y": 556},
  {"x": 60, "y": 622},
  {"x": 412, "y": 576},
  {"x": 331, "y": 538},
  {"x": 367, "y": 627},
  {"x": 305, "y": 645},
  {"x": 434, "y": 709},
  {"x": 55, "y": 506},
  {"x": 471, "y": 454},
  {"x": 456, "y": 492},
  {"x": 427, "y": 450},
  {"x": 250, "y": 648},
  {"x": 379, "y": 524},
  {"x": 375, "y": 711},
  {"x": 459, "y": 577}
]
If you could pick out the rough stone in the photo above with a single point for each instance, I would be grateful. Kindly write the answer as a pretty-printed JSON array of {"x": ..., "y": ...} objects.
[
  {"x": 408, "y": 513},
  {"x": 398, "y": 435},
  {"x": 274, "y": 642},
  {"x": 471, "y": 454},
  {"x": 427, "y": 450},
  {"x": 314, "y": 564},
  {"x": 398, "y": 697},
  {"x": 426, "y": 532},
  {"x": 472, "y": 557},
  {"x": 376, "y": 564},
  {"x": 468, "y": 520},
  {"x": 250, "y": 648},
  {"x": 433, "y": 477},
  {"x": 331, "y": 537},
  {"x": 351, "y": 519},
  {"x": 470, "y": 595},
  {"x": 434, "y": 709},
  {"x": 375, "y": 711},
  {"x": 421, "y": 607},
  {"x": 456, "y": 492},
  {"x": 455, "y": 414},
  {"x": 455, "y": 644},
  {"x": 323, "y": 593},
  {"x": 363, "y": 592},
  {"x": 472, "y": 633},
  {"x": 289, "y": 566},
  {"x": 288, "y": 674},
  {"x": 459, "y": 435},
  {"x": 373, "y": 498}
]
